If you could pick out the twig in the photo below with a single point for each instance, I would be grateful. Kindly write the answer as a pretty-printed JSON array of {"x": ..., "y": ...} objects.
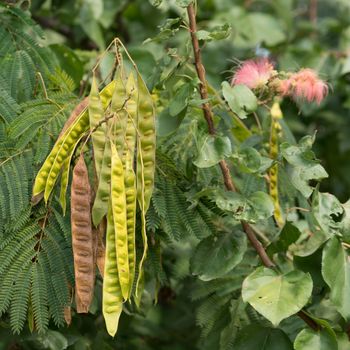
[
  {"x": 313, "y": 11},
  {"x": 223, "y": 165}
]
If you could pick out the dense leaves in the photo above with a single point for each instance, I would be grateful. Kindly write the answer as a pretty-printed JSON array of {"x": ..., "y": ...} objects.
[{"x": 205, "y": 287}]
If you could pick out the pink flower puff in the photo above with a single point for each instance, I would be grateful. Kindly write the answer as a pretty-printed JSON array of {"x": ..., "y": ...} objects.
[
  {"x": 304, "y": 84},
  {"x": 253, "y": 73}
]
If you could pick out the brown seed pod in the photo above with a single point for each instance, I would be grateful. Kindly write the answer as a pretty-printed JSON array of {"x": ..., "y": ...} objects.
[{"x": 82, "y": 239}]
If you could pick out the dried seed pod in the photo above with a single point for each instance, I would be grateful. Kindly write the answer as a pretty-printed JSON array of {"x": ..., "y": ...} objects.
[{"x": 82, "y": 240}]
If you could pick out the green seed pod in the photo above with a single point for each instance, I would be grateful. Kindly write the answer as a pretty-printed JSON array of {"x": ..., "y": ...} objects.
[
  {"x": 118, "y": 200},
  {"x": 146, "y": 146},
  {"x": 64, "y": 146},
  {"x": 130, "y": 193},
  {"x": 276, "y": 115},
  {"x": 96, "y": 114},
  {"x": 100, "y": 207}
]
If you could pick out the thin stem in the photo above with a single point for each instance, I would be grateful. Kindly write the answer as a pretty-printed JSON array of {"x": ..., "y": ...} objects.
[{"x": 223, "y": 165}]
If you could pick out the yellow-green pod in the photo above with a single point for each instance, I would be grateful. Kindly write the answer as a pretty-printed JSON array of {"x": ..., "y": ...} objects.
[
  {"x": 100, "y": 206},
  {"x": 146, "y": 146},
  {"x": 41, "y": 178},
  {"x": 118, "y": 107},
  {"x": 118, "y": 200},
  {"x": 130, "y": 194},
  {"x": 276, "y": 115},
  {"x": 96, "y": 114},
  {"x": 70, "y": 138},
  {"x": 147, "y": 142},
  {"x": 130, "y": 135},
  {"x": 112, "y": 299}
]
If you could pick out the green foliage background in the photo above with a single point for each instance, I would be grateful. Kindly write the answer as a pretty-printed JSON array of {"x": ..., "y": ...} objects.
[{"x": 190, "y": 313}]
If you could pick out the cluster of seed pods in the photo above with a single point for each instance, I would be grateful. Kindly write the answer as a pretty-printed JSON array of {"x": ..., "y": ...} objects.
[{"x": 119, "y": 120}]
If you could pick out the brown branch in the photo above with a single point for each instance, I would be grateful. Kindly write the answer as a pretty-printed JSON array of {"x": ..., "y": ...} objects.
[
  {"x": 229, "y": 185},
  {"x": 209, "y": 118},
  {"x": 313, "y": 11}
]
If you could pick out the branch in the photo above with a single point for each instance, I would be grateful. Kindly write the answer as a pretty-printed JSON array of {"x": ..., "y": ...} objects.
[{"x": 229, "y": 185}]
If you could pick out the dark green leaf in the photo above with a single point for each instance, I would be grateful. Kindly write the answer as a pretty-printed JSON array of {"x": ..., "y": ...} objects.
[
  {"x": 288, "y": 235},
  {"x": 256, "y": 337},
  {"x": 336, "y": 273},
  {"x": 217, "y": 255},
  {"x": 303, "y": 166},
  {"x": 217, "y": 33},
  {"x": 180, "y": 101},
  {"x": 212, "y": 150}
]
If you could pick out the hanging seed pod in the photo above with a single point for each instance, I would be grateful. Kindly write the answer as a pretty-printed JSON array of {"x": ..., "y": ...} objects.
[
  {"x": 112, "y": 299},
  {"x": 145, "y": 161},
  {"x": 77, "y": 111},
  {"x": 101, "y": 249},
  {"x": 82, "y": 240},
  {"x": 118, "y": 104},
  {"x": 100, "y": 206},
  {"x": 48, "y": 174},
  {"x": 118, "y": 203},
  {"x": 276, "y": 115},
  {"x": 96, "y": 114}
]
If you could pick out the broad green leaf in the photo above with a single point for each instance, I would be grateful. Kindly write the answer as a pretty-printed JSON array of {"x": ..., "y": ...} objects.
[
  {"x": 256, "y": 337},
  {"x": 156, "y": 3},
  {"x": 345, "y": 222},
  {"x": 183, "y": 3},
  {"x": 180, "y": 101},
  {"x": 217, "y": 33},
  {"x": 258, "y": 206},
  {"x": 288, "y": 235},
  {"x": 254, "y": 28},
  {"x": 251, "y": 161},
  {"x": 166, "y": 124},
  {"x": 303, "y": 166},
  {"x": 53, "y": 340},
  {"x": 89, "y": 14},
  {"x": 343, "y": 341},
  {"x": 336, "y": 273},
  {"x": 217, "y": 255},
  {"x": 212, "y": 150},
  {"x": 277, "y": 296},
  {"x": 311, "y": 264},
  {"x": 166, "y": 30},
  {"x": 240, "y": 99},
  {"x": 325, "y": 208},
  {"x": 308, "y": 339}
]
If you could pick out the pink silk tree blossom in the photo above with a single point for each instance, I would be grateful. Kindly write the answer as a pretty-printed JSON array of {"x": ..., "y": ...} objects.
[
  {"x": 253, "y": 73},
  {"x": 304, "y": 84}
]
